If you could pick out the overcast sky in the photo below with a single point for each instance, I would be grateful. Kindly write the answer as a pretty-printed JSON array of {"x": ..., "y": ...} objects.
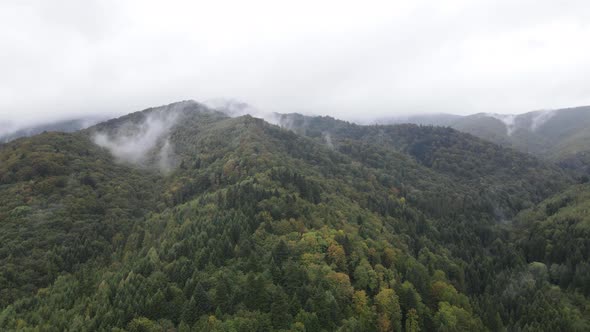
[{"x": 348, "y": 59}]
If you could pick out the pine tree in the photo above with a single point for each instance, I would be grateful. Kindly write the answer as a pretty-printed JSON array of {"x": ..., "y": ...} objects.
[
  {"x": 279, "y": 310},
  {"x": 280, "y": 253},
  {"x": 412, "y": 321}
]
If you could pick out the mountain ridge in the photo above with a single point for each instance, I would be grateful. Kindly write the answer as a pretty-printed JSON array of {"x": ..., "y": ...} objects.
[{"x": 556, "y": 135}]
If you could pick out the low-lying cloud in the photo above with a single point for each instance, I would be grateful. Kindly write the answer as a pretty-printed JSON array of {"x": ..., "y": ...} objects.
[
  {"x": 507, "y": 119},
  {"x": 235, "y": 108},
  {"x": 145, "y": 143},
  {"x": 541, "y": 118},
  {"x": 350, "y": 60}
]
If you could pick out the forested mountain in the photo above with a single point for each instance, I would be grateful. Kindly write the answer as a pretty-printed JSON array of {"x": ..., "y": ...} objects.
[
  {"x": 561, "y": 135},
  {"x": 182, "y": 218}
]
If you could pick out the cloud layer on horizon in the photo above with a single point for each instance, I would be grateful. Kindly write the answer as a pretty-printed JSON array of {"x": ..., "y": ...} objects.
[{"x": 350, "y": 60}]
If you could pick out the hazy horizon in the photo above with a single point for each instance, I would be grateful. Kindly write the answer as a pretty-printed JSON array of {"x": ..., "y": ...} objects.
[
  {"x": 13, "y": 126},
  {"x": 64, "y": 60}
]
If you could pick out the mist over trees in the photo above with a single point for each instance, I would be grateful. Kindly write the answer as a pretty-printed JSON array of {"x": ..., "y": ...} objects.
[
  {"x": 325, "y": 226},
  {"x": 350, "y": 166}
]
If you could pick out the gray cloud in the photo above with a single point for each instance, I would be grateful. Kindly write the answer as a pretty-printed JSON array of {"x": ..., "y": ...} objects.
[{"x": 350, "y": 60}]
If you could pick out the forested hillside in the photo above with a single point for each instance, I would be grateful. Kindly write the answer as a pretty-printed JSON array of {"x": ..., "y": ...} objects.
[
  {"x": 561, "y": 135},
  {"x": 64, "y": 202},
  {"x": 557, "y": 234},
  {"x": 182, "y": 218},
  {"x": 553, "y": 237}
]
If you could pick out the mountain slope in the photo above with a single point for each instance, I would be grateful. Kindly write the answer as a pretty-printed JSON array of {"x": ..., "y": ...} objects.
[
  {"x": 557, "y": 233},
  {"x": 561, "y": 135},
  {"x": 554, "y": 239},
  {"x": 551, "y": 134},
  {"x": 64, "y": 202},
  {"x": 253, "y": 227},
  {"x": 488, "y": 169}
]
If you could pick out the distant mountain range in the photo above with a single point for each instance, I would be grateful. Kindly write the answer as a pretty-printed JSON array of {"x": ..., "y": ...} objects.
[
  {"x": 65, "y": 126},
  {"x": 561, "y": 135}
]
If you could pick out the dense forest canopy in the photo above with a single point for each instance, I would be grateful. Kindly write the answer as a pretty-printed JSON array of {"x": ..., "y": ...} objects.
[{"x": 180, "y": 218}]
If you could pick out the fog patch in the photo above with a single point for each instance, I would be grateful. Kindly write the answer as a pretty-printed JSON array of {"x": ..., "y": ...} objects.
[
  {"x": 541, "y": 118},
  {"x": 507, "y": 119},
  {"x": 526, "y": 280},
  {"x": 6, "y": 128},
  {"x": 143, "y": 144},
  {"x": 288, "y": 122},
  {"x": 235, "y": 108},
  {"x": 166, "y": 157},
  {"x": 328, "y": 139}
]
